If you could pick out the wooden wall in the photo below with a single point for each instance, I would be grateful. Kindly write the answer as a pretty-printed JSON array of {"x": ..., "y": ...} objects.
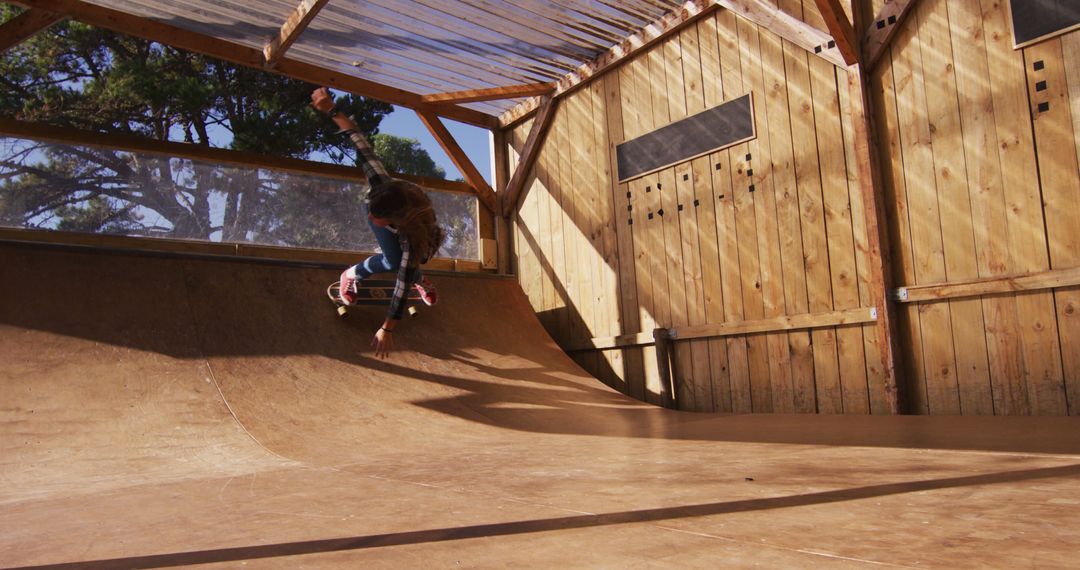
[
  {"x": 770, "y": 249},
  {"x": 982, "y": 185}
]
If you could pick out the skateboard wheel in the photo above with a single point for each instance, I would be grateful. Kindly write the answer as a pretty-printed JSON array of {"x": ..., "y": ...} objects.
[
  {"x": 412, "y": 311},
  {"x": 342, "y": 312}
]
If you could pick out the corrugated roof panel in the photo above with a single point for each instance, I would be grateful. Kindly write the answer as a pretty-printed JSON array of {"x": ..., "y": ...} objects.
[{"x": 425, "y": 46}]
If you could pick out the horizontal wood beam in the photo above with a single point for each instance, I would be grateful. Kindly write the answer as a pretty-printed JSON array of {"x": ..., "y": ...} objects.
[
  {"x": 882, "y": 29},
  {"x": 541, "y": 125},
  {"x": 215, "y": 249},
  {"x": 154, "y": 30},
  {"x": 131, "y": 143},
  {"x": 1038, "y": 281},
  {"x": 25, "y": 26},
  {"x": 777, "y": 324},
  {"x": 788, "y": 27},
  {"x": 495, "y": 93},
  {"x": 841, "y": 29},
  {"x": 292, "y": 28},
  {"x": 446, "y": 140}
]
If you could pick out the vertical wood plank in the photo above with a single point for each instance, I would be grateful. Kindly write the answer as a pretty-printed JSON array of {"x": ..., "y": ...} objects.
[
  {"x": 950, "y": 169},
  {"x": 691, "y": 100},
  {"x": 681, "y": 283},
  {"x": 803, "y": 255},
  {"x": 934, "y": 319},
  {"x": 711, "y": 94},
  {"x": 727, "y": 224},
  {"x": 1027, "y": 240},
  {"x": 838, "y": 231},
  {"x": 744, "y": 178},
  {"x": 776, "y": 182},
  {"x": 561, "y": 302},
  {"x": 611, "y": 291},
  {"x": 865, "y": 221},
  {"x": 621, "y": 108},
  {"x": 1068, "y": 305},
  {"x": 989, "y": 224},
  {"x": 1055, "y": 144},
  {"x": 824, "y": 394}
]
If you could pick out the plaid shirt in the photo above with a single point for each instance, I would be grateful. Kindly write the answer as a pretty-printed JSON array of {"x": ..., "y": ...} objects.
[{"x": 377, "y": 176}]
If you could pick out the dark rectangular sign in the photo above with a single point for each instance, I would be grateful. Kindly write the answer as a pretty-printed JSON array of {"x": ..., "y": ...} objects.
[
  {"x": 711, "y": 130},
  {"x": 1033, "y": 20}
]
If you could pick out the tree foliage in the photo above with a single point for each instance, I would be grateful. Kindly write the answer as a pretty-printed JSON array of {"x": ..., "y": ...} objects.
[{"x": 78, "y": 76}]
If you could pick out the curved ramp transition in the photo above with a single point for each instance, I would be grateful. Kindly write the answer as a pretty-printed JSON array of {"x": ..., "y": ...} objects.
[{"x": 161, "y": 411}]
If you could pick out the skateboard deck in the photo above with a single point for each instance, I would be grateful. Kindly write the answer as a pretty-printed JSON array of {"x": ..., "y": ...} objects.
[{"x": 372, "y": 292}]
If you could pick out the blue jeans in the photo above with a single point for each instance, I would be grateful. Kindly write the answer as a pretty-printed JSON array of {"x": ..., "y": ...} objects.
[{"x": 388, "y": 260}]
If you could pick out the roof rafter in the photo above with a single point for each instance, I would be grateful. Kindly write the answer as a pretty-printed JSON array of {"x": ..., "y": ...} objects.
[
  {"x": 509, "y": 92},
  {"x": 154, "y": 30},
  {"x": 842, "y": 31},
  {"x": 483, "y": 190},
  {"x": 25, "y": 26},
  {"x": 292, "y": 28}
]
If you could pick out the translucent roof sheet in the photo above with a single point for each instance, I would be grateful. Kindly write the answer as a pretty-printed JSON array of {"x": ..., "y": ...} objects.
[{"x": 424, "y": 46}]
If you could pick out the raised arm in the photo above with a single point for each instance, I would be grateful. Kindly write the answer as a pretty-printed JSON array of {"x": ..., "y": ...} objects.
[{"x": 373, "y": 167}]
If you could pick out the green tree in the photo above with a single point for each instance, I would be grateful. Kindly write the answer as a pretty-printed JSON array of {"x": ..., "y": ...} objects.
[
  {"x": 74, "y": 75},
  {"x": 404, "y": 155}
]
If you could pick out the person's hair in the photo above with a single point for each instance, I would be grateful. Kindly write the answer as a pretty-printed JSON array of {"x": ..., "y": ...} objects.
[{"x": 410, "y": 211}]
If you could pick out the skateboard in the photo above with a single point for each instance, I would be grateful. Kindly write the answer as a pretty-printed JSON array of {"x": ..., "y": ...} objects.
[{"x": 371, "y": 292}]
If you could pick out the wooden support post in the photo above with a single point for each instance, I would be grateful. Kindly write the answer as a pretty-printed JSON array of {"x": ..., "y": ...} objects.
[
  {"x": 544, "y": 118},
  {"x": 840, "y": 28},
  {"x": 871, "y": 189},
  {"x": 663, "y": 365},
  {"x": 446, "y": 140},
  {"x": 500, "y": 163},
  {"x": 25, "y": 26},
  {"x": 299, "y": 19}
]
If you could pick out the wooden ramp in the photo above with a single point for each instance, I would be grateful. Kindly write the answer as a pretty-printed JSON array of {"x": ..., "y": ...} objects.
[{"x": 161, "y": 411}]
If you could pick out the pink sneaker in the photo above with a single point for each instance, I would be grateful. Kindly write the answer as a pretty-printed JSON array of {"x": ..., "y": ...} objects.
[
  {"x": 347, "y": 286},
  {"x": 428, "y": 294}
]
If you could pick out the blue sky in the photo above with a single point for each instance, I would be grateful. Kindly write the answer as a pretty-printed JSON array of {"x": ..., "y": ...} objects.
[{"x": 473, "y": 140}]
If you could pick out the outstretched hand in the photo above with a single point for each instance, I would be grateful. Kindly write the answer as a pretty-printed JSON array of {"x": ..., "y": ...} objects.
[
  {"x": 383, "y": 343},
  {"x": 322, "y": 100}
]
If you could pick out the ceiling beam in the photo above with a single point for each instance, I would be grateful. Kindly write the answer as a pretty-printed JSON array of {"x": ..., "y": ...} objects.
[
  {"x": 154, "y": 30},
  {"x": 509, "y": 92},
  {"x": 842, "y": 31},
  {"x": 296, "y": 24},
  {"x": 25, "y": 26},
  {"x": 882, "y": 29},
  {"x": 541, "y": 124},
  {"x": 483, "y": 190}
]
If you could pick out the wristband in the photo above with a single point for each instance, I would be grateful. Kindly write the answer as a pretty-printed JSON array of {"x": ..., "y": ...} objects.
[{"x": 387, "y": 330}]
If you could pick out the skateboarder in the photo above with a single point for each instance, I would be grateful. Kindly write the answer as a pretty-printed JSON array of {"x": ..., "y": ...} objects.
[{"x": 403, "y": 221}]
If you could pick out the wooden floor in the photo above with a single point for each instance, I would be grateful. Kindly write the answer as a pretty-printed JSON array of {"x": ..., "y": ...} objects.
[{"x": 185, "y": 411}]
